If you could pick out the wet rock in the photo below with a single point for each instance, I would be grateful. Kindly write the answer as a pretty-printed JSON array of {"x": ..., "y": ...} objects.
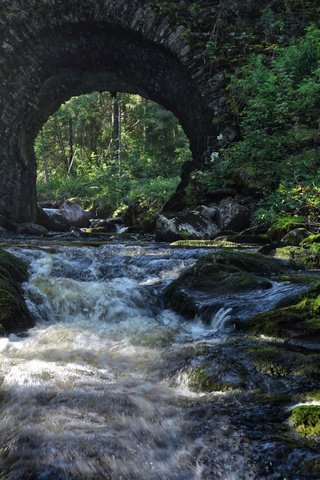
[
  {"x": 221, "y": 273},
  {"x": 248, "y": 238},
  {"x": 75, "y": 215},
  {"x": 31, "y": 229},
  {"x": 186, "y": 225},
  {"x": 51, "y": 204},
  {"x": 299, "y": 320},
  {"x": 116, "y": 220},
  {"x": 233, "y": 215},
  {"x": 58, "y": 223},
  {"x": 280, "y": 362},
  {"x": 295, "y": 237},
  {"x": 102, "y": 226},
  {"x": 72, "y": 235},
  {"x": 14, "y": 315},
  {"x": 52, "y": 220},
  {"x": 210, "y": 212}
]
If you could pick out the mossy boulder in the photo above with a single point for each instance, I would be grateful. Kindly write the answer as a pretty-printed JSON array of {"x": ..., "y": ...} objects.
[
  {"x": 295, "y": 236},
  {"x": 200, "y": 379},
  {"x": 304, "y": 255},
  {"x": 259, "y": 239},
  {"x": 280, "y": 362},
  {"x": 301, "y": 319},
  {"x": 284, "y": 225},
  {"x": 219, "y": 273},
  {"x": 305, "y": 419},
  {"x": 14, "y": 315}
]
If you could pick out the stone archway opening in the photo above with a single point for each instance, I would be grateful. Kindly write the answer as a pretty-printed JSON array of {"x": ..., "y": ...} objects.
[
  {"x": 109, "y": 150},
  {"x": 74, "y": 56}
]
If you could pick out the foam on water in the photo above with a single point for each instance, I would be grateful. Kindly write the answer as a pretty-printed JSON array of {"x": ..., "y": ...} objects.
[{"x": 85, "y": 395}]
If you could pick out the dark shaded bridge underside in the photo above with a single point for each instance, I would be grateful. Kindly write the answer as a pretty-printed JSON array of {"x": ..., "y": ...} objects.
[{"x": 47, "y": 56}]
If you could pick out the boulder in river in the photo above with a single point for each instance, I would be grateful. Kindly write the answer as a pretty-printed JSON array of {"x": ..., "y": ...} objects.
[
  {"x": 191, "y": 225},
  {"x": 219, "y": 274},
  {"x": 295, "y": 320},
  {"x": 14, "y": 315},
  {"x": 103, "y": 226},
  {"x": 54, "y": 220},
  {"x": 233, "y": 215},
  {"x": 295, "y": 237},
  {"x": 31, "y": 229},
  {"x": 210, "y": 212},
  {"x": 75, "y": 215}
]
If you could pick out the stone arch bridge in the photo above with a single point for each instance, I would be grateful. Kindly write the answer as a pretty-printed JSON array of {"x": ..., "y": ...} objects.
[{"x": 51, "y": 50}]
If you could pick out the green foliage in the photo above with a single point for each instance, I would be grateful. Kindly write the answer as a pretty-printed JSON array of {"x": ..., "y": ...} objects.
[
  {"x": 81, "y": 154},
  {"x": 300, "y": 202},
  {"x": 277, "y": 102}
]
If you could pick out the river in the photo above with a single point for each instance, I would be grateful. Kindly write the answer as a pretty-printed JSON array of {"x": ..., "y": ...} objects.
[{"x": 101, "y": 387}]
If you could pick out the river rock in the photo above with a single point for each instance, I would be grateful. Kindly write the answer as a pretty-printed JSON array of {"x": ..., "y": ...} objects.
[
  {"x": 75, "y": 215},
  {"x": 200, "y": 290},
  {"x": 103, "y": 226},
  {"x": 233, "y": 215},
  {"x": 57, "y": 222},
  {"x": 14, "y": 315},
  {"x": 52, "y": 204},
  {"x": 295, "y": 237},
  {"x": 31, "y": 229},
  {"x": 210, "y": 212},
  {"x": 116, "y": 220},
  {"x": 52, "y": 220},
  {"x": 186, "y": 225}
]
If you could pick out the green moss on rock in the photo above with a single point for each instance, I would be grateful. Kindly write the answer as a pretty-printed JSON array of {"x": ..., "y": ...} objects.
[
  {"x": 312, "y": 239},
  {"x": 283, "y": 225},
  {"x": 201, "y": 380},
  {"x": 306, "y": 420},
  {"x": 14, "y": 315},
  {"x": 12, "y": 267},
  {"x": 305, "y": 255},
  {"x": 279, "y": 362},
  {"x": 222, "y": 272},
  {"x": 301, "y": 319}
]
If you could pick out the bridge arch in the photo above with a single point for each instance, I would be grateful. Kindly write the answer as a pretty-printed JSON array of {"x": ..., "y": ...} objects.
[{"x": 52, "y": 50}]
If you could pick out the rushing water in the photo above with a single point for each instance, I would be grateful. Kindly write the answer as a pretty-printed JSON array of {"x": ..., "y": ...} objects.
[{"x": 100, "y": 387}]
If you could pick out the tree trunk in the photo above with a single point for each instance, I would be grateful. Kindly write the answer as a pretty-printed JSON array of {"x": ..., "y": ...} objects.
[
  {"x": 44, "y": 158},
  {"x": 71, "y": 147},
  {"x": 117, "y": 131}
]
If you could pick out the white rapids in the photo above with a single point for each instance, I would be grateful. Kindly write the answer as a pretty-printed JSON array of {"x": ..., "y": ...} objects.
[
  {"x": 86, "y": 394},
  {"x": 78, "y": 397}
]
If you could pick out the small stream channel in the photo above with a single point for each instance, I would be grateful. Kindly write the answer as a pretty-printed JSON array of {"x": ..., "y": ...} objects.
[{"x": 101, "y": 387}]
